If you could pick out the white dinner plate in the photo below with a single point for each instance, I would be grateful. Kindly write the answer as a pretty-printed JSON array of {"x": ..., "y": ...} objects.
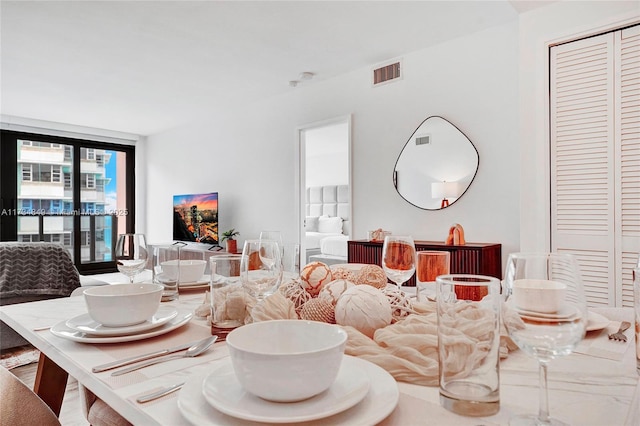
[
  {"x": 597, "y": 321},
  {"x": 61, "y": 330},
  {"x": 565, "y": 314},
  {"x": 378, "y": 403},
  {"x": 224, "y": 392},
  {"x": 202, "y": 282},
  {"x": 86, "y": 324}
]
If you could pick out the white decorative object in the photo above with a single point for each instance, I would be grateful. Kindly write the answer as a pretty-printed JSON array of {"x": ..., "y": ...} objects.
[
  {"x": 318, "y": 310},
  {"x": 400, "y": 303},
  {"x": 332, "y": 291},
  {"x": 378, "y": 234},
  {"x": 344, "y": 274},
  {"x": 372, "y": 275},
  {"x": 364, "y": 308},
  {"x": 274, "y": 307},
  {"x": 230, "y": 304},
  {"x": 294, "y": 291},
  {"x": 314, "y": 276}
]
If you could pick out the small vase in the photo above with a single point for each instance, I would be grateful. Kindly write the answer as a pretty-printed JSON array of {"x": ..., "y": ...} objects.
[{"x": 232, "y": 246}]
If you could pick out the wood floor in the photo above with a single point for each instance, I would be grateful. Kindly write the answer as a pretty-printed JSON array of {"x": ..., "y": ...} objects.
[{"x": 71, "y": 413}]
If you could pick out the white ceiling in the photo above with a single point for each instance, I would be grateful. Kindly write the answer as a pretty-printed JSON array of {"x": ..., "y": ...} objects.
[{"x": 146, "y": 66}]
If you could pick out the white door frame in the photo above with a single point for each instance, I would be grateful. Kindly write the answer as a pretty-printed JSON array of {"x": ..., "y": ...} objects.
[{"x": 300, "y": 170}]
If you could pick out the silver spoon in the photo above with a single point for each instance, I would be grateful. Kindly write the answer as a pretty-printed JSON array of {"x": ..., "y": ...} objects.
[{"x": 193, "y": 351}]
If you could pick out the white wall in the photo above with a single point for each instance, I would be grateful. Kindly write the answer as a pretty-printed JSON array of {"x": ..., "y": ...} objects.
[
  {"x": 559, "y": 22},
  {"x": 327, "y": 155},
  {"x": 249, "y": 157}
]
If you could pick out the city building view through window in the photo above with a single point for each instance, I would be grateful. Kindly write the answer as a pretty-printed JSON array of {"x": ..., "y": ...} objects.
[{"x": 72, "y": 195}]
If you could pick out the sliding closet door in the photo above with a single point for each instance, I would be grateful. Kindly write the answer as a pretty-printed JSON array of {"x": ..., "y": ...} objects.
[
  {"x": 595, "y": 167},
  {"x": 628, "y": 156}
]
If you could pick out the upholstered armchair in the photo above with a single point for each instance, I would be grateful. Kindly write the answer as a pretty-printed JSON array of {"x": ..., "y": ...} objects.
[{"x": 30, "y": 272}]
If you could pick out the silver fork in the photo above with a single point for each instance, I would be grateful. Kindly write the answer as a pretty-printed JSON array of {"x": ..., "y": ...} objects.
[{"x": 619, "y": 335}]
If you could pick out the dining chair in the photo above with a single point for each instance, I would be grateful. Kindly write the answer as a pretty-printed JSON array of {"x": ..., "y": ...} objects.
[
  {"x": 20, "y": 406},
  {"x": 97, "y": 412}
]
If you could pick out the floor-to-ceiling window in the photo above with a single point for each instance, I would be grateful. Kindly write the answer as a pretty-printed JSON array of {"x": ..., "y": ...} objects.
[{"x": 74, "y": 192}]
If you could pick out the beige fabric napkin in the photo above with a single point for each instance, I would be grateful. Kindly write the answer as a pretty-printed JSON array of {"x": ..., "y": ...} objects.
[{"x": 408, "y": 349}]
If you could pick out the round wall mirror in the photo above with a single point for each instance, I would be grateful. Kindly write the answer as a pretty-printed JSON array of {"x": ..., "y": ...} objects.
[{"x": 436, "y": 165}]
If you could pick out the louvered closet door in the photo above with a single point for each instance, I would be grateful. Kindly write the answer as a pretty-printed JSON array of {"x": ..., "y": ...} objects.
[
  {"x": 595, "y": 160},
  {"x": 582, "y": 161},
  {"x": 628, "y": 156}
]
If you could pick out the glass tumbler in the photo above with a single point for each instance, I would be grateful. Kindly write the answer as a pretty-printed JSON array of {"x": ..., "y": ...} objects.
[
  {"x": 430, "y": 265},
  {"x": 468, "y": 309},
  {"x": 166, "y": 270},
  {"x": 228, "y": 301}
]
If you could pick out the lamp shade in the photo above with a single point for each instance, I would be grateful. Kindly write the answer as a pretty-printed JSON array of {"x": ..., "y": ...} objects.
[{"x": 444, "y": 189}]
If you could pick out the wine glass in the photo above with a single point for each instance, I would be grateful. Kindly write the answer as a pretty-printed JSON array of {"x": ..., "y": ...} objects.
[
  {"x": 545, "y": 291},
  {"x": 398, "y": 258},
  {"x": 131, "y": 254},
  {"x": 261, "y": 267},
  {"x": 272, "y": 235},
  {"x": 275, "y": 236}
]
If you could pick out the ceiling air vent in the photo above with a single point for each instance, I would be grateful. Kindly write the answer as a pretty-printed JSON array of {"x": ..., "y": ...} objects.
[
  {"x": 386, "y": 73},
  {"x": 423, "y": 140}
]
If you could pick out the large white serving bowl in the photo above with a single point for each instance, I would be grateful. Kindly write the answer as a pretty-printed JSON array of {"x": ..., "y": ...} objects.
[
  {"x": 286, "y": 360},
  {"x": 121, "y": 305},
  {"x": 544, "y": 296},
  {"x": 190, "y": 270}
]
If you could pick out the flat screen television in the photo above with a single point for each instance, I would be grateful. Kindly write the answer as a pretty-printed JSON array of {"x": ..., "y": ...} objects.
[{"x": 195, "y": 218}]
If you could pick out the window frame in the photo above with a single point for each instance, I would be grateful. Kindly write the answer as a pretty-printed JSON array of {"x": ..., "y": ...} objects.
[{"x": 9, "y": 188}]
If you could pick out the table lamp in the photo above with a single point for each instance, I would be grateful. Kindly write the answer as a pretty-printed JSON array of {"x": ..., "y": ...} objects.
[{"x": 444, "y": 190}]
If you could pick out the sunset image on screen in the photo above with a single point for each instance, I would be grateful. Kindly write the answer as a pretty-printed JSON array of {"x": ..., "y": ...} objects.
[{"x": 195, "y": 218}]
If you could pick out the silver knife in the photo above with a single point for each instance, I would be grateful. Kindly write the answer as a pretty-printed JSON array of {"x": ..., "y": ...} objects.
[
  {"x": 162, "y": 392},
  {"x": 131, "y": 360}
]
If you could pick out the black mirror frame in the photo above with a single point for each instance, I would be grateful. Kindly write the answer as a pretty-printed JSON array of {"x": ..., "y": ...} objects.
[{"x": 395, "y": 173}]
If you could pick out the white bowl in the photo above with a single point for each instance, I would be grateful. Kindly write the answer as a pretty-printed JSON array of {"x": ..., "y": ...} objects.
[
  {"x": 286, "y": 360},
  {"x": 190, "y": 270},
  {"x": 542, "y": 296},
  {"x": 121, "y": 305}
]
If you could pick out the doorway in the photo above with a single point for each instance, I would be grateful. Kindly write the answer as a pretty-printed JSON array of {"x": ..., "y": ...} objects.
[{"x": 324, "y": 190}]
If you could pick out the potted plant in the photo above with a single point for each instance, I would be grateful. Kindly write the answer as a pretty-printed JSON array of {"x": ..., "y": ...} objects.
[{"x": 232, "y": 244}]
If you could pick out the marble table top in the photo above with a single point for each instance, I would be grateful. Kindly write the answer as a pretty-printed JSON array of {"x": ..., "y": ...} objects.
[{"x": 583, "y": 389}]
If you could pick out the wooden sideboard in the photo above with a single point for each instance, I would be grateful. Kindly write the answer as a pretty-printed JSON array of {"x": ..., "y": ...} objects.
[{"x": 471, "y": 258}]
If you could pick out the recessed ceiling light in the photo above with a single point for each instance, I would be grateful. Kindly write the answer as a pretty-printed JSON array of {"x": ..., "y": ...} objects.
[
  {"x": 306, "y": 75},
  {"x": 293, "y": 83}
]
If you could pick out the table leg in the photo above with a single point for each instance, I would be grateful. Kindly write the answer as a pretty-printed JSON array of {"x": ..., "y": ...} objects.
[{"x": 50, "y": 383}]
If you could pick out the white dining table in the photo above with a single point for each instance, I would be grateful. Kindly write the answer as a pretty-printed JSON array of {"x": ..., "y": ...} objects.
[{"x": 583, "y": 389}]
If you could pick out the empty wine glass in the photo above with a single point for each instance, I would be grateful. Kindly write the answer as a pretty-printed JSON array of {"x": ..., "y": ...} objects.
[
  {"x": 131, "y": 254},
  {"x": 398, "y": 258},
  {"x": 545, "y": 291},
  {"x": 274, "y": 236},
  {"x": 271, "y": 236},
  {"x": 291, "y": 261},
  {"x": 261, "y": 267}
]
